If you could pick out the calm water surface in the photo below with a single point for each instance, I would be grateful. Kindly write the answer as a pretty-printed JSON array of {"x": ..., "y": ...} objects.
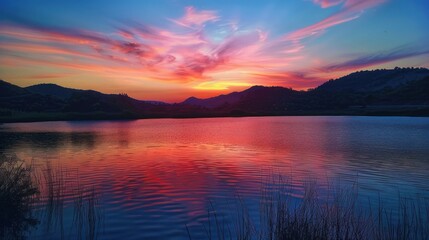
[{"x": 155, "y": 177}]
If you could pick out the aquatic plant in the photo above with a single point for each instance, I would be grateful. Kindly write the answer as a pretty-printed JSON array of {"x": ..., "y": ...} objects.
[
  {"x": 337, "y": 214},
  {"x": 62, "y": 190},
  {"x": 30, "y": 195}
]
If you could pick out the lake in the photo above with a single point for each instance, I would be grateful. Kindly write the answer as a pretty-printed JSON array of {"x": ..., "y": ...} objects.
[{"x": 159, "y": 178}]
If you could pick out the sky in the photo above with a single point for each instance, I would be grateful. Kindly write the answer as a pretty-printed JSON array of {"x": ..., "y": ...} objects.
[{"x": 170, "y": 50}]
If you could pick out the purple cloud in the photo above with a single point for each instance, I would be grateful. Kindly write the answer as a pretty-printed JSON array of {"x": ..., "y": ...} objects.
[{"x": 376, "y": 59}]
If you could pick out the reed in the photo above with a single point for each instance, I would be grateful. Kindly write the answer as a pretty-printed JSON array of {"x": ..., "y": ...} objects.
[
  {"x": 62, "y": 190},
  {"x": 337, "y": 214},
  {"x": 30, "y": 196}
]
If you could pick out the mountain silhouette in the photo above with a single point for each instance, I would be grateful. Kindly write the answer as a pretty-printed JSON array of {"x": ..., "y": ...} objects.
[
  {"x": 399, "y": 91},
  {"x": 53, "y": 90},
  {"x": 221, "y": 100},
  {"x": 376, "y": 80},
  {"x": 10, "y": 90},
  {"x": 20, "y": 99},
  {"x": 399, "y": 86}
]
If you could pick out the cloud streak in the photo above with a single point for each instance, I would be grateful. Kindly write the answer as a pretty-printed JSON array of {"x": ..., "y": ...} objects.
[
  {"x": 327, "y": 3},
  {"x": 376, "y": 59},
  {"x": 351, "y": 10},
  {"x": 195, "y": 18},
  {"x": 299, "y": 80}
]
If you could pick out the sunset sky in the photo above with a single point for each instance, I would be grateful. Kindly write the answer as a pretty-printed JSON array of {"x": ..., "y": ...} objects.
[{"x": 170, "y": 50}]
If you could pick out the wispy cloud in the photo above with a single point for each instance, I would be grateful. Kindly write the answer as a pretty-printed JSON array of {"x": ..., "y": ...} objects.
[
  {"x": 229, "y": 51},
  {"x": 351, "y": 10},
  {"x": 298, "y": 80},
  {"x": 196, "y": 18},
  {"x": 376, "y": 59},
  {"x": 327, "y": 3},
  {"x": 47, "y": 76}
]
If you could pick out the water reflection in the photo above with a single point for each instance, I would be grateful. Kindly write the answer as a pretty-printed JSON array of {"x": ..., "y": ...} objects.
[
  {"x": 157, "y": 176},
  {"x": 50, "y": 141}
]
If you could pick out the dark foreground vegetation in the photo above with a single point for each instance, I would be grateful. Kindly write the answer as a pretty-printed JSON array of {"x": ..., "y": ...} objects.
[
  {"x": 34, "y": 200},
  {"x": 398, "y": 92},
  {"x": 337, "y": 215},
  {"x": 18, "y": 193}
]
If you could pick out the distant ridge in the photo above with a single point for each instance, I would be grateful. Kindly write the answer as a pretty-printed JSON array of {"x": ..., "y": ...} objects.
[
  {"x": 399, "y": 91},
  {"x": 10, "y": 90},
  {"x": 214, "y": 102},
  {"x": 375, "y": 80},
  {"x": 53, "y": 90},
  {"x": 360, "y": 88}
]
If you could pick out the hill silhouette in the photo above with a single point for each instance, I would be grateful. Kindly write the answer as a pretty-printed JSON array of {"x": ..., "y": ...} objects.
[
  {"x": 399, "y": 91},
  {"x": 53, "y": 90},
  {"x": 398, "y": 88},
  {"x": 376, "y": 80}
]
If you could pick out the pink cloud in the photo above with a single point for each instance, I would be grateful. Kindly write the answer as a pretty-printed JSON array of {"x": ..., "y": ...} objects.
[
  {"x": 195, "y": 18},
  {"x": 46, "y": 49},
  {"x": 47, "y": 76},
  {"x": 51, "y": 35},
  {"x": 374, "y": 59},
  {"x": 299, "y": 81},
  {"x": 351, "y": 10},
  {"x": 327, "y": 3},
  {"x": 237, "y": 50}
]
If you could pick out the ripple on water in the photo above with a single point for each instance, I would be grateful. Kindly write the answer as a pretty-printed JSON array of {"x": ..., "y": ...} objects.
[{"x": 155, "y": 177}]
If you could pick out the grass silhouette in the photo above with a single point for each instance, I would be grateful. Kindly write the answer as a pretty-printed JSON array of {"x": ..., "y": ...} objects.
[
  {"x": 336, "y": 215},
  {"x": 30, "y": 196}
]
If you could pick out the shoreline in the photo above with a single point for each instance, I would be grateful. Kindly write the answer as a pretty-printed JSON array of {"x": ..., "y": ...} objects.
[{"x": 125, "y": 118}]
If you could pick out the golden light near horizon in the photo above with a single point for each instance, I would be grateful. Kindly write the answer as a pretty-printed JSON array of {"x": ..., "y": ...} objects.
[{"x": 220, "y": 85}]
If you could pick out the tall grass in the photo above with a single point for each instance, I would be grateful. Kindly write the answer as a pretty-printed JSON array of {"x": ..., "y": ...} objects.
[
  {"x": 87, "y": 217},
  {"x": 61, "y": 191},
  {"x": 30, "y": 196},
  {"x": 336, "y": 214}
]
